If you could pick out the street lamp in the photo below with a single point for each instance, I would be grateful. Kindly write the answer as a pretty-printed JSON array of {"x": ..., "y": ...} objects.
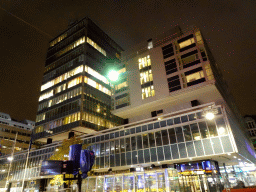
[
  {"x": 10, "y": 158},
  {"x": 113, "y": 75},
  {"x": 209, "y": 116}
]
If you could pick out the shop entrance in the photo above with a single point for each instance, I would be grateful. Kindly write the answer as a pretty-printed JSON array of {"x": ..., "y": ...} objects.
[{"x": 193, "y": 183}]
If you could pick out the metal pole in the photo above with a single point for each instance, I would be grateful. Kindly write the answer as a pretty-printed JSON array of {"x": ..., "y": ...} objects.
[
  {"x": 7, "y": 180},
  {"x": 24, "y": 175}
]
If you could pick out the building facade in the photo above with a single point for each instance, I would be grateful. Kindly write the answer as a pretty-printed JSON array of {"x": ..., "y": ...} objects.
[
  {"x": 251, "y": 127},
  {"x": 74, "y": 93},
  {"x": 8, "y": 130},
  {"x": 180, "y": 129}
]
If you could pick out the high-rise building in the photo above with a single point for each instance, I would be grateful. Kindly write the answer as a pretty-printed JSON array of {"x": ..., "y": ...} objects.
[
  {"x": 75, "y": 94},
  {"x": 179, "y": 127},
  {"x": 251, "y": 127}
]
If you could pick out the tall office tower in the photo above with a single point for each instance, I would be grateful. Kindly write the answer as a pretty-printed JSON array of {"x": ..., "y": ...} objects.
[{"x": 75, "y": 94}]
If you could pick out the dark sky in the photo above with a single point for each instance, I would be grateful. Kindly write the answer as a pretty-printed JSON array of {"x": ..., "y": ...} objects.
[{"x": 228, "y": 26}]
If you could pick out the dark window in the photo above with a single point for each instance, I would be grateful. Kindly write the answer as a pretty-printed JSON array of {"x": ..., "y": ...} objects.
[
  {"x": 133, "y": 143},
  {"x": 170, "y": 66},
  {"x": 158, "y": 138},
  {"x": 151, "y": 139},
  {"x": 174, "y": 83},
  {"x": 139, "y": 142},
  {"x": 167, "y": 51},
  {"x": 165, "y": 137},
  {"x": 172, "y": 136},
  {"x": 145, "y": 141},
  {"x": 179, "y": 134},
  {"x": 187, "y": 133}
]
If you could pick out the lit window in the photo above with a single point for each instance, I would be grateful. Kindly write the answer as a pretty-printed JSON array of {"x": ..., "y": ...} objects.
[
  {"x": 96, "y": 46},
  {"x": 199, "y": 37},
  {"x": 187, "y": 43},
  {"x": 148, "y": 92},
  {"x": 195, "y": 76},
  {"x": 144, "y": 62},
  {"x": 46, "y": 95},
  {"x": 209, "y": 72}
]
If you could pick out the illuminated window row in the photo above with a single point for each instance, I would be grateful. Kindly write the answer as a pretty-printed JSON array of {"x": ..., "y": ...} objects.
[
  {"x": 61, "y": 88},
  {"x": 46, "y": 95},
  {"x": 144, "y": 62},
  {"x": 40, "y": 117},
  {"x": 187, "y": 43},
  {"x": 58, "y": 111},
  {"x": 209, "y": 72},
  {"x": 121, "y": 85},
  {"x": 146, "y": 77},
  {"x": 97, "y": 120},
  {"x": 96, "y": 74},
  {"x": 69, "y": 57},
  {"x": 92, "y": 43},
  {"x": 97, "y": 85},
  {"x": 63, "y": 121},
  {"x": 75, "y": 82},
  {"x": 62, "y": 78},
  {"x": 58, "y": 39},
  {"x": 63, "y": 68},
  {"x": 72, "y": 46},
  {"x": 148, "y": 92},
  {"x": 60, "y": 98},
  {"x": 194, "y": 76},
  {"x": 122, "y": 100}
]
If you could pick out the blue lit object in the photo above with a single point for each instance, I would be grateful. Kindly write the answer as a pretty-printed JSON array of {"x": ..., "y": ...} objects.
[
  {"x": 87, "y": 159},
  {"x": 74, "y": 156}
]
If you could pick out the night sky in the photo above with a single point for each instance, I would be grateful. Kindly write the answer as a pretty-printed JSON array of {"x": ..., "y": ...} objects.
[{"x": 26, "y": 27}]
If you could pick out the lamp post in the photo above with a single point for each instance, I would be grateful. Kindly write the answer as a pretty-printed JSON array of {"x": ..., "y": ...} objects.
[{"x": 10, "y": 159}]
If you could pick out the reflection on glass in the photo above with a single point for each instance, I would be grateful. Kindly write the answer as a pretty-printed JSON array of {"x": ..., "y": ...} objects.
[
  {"x": 158, "y": 138},
  {"x": 165, "y": 137},
  {"x": 128, "y": 181},
  {"x": 203, "y": 130},
  {"x": 150, "y": 182},
  {"x": 109, "y": 183},
  {"x": 139, "y": 142},
  {"x": 139, "y": 184},
  {"x": 172, "y": 136},
  {"x": 133, "y": 143},
  {"x": 187, "y": 133},
  {"x": 195, "y": 132},
  {"x": 102, "y": 149},
  {"x": 161, "y": 182},
  {"x": 112, "y": 147},
  {"x": 107, "y": 148},
  {"x": 117, "y": 146},
  {"x": 151, "y": 139},
  {"x": 145, "y": 141},
  {"x": 122, "y": 145},
  {"x": 212, "y": 128},
  {"x": 179, "y": 134},
  {"x": 128, "y": 144},
  {"x": 221, "y": 126}
]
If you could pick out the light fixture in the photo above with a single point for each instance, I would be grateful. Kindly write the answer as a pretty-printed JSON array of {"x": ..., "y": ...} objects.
[
  {"x": 3, "y": 170},
  {"x": 239, "y": 159},
  {"x": 229, "y": 154},
  {"x": 113, "y": 75},
  {"x": 190, "y": 158},
  {"x": 235, "y": 157},
  {"x": 57, "y": 150},
  {"x": 10, "y": 158},
  {"x": 158, "y": 162},
  {"x": 209, "y": 116}
]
